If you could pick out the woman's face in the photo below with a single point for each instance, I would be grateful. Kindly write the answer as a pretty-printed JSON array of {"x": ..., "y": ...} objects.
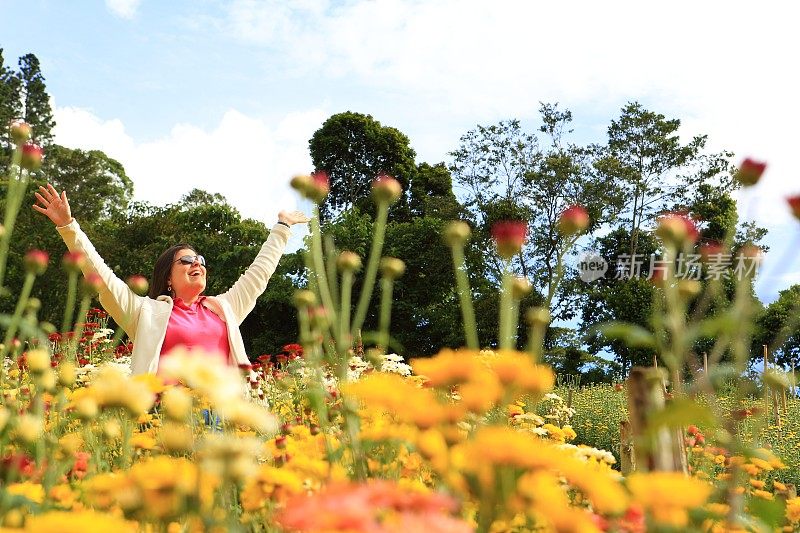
[{"x": 188, "y": 279}]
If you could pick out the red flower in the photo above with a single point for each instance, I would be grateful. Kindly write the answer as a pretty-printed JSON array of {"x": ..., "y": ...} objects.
[
  {"x": 509, "y": 236},
  {"x": 32, "y": 155},
  {"x": 36, "y": 261},
  {"x": 794, "y": 204},
  {"x": 749, "y": 172},
  {"x": 574, "y": 220}
]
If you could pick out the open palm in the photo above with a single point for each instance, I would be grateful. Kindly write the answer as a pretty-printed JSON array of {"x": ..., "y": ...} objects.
[{"x": 53, "y": 205}]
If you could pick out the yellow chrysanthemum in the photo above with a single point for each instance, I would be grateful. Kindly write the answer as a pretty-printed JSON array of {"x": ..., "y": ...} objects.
[
  {"x": 668, "y": 495},
  {"x": 78, "y": 522}
]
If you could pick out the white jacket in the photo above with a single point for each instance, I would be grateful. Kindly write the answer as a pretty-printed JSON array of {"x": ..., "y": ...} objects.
[{"x": 145, "y": 319}]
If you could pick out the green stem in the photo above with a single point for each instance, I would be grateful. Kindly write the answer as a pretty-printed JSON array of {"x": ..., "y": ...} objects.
[
  {"x": 319, "y": 271},
  {"x": 465, "y": 296},
  {"x": 30, "y": 277},
  {"x": 387, "y": 285},
  {"x": 506, "y": 303},
  {"x": 379, "y": 231},
  {"x": 344, "y": 341},
  {"x": 78, "y": 333},
  {"x": 16, "y": 191}
]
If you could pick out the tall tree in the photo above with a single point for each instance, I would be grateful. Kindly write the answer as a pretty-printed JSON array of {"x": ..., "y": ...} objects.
[
  {"x": 9, "y": 108},
  {"x": 353, "y": 148},
  {"x": 645, "y": 156},
  {"x": 508, "y": 174},
  {"x": 36, "y": 108}
]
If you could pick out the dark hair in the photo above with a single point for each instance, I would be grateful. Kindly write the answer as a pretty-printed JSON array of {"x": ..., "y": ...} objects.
[{"x": 162, "y": 268}]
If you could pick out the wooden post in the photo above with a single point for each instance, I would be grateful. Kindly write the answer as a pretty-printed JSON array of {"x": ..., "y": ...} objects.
[
  {"x": 661, "y": 449},
  {"x": 705, "y": 364},
  {"x": 767, "y": 403},
  {"x": 627, "y": 463},
  {"x": 655, "y": 360}
]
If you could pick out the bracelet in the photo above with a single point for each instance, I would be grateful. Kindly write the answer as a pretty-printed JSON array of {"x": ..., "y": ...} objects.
[{"x": 283, "y": 223}]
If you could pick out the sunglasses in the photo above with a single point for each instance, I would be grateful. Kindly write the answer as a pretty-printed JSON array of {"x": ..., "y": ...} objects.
[{"x": 190, "y": 259}]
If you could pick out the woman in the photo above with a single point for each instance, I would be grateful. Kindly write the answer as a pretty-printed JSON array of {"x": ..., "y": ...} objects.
[{"x": 175, "y": 313}]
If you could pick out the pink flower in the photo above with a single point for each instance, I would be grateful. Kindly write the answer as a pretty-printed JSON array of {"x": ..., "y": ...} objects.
[
  {"x": 509, "y": 236},
  {"x": 36, "y": 261},
  {"x": 677, "y": 229},
  {"x": 794, "y": 204},
  {"x": 574, "y": 220}
]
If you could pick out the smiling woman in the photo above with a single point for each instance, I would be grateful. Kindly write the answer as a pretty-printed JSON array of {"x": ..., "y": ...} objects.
[{"x": 175, "y": 312}]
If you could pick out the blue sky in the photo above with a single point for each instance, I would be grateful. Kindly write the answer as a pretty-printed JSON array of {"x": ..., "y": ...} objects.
[{"x": 224, "y": 95}]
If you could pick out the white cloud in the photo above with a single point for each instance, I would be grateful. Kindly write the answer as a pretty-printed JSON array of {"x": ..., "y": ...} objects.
[
  {"x": 125, "y": 9},
  {"x": 243, "y": 158}
]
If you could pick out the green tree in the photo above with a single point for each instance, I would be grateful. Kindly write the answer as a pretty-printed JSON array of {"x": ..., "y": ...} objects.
[
  {"x": 645, "y": 157},
  {"x": 508, "y": 174},
  {"x": 9, "y": 108},
  {"x": 353, "y": 149},
  {"x": 36, "y": 109},
  {"x": 778, "y": 323}
]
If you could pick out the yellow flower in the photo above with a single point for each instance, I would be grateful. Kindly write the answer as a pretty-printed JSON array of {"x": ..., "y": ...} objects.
[
  {"x": 448, "y": 367},
  {"x": 269, "y": 483},
  {"x": 757, "y": 483},
  {"x": 63, "y": 496},
  {"x": 78, "y": 522},
  {"x": 32, "y": 491},
  {"x": 143, "y": 441},
  {"x": 668, "y": 496},
  {"x": 777, "y": 485},
  {"x": 793, "y": 510},
  {"x": 763, "y": 494}
]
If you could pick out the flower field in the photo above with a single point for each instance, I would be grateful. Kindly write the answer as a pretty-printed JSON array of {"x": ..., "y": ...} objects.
[{"x": 335, "y": 435}]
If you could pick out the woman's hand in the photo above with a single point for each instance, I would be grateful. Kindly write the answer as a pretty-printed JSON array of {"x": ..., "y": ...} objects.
[
  {"x": 54, "y": 206},
  {"x": 293, "y": 217}
]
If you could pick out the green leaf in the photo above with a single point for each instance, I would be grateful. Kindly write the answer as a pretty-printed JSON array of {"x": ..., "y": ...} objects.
[
  {"x": 633, "y": 335},
  {"x": 771, "y": 512},
  {"x": 682, "y": 412}
]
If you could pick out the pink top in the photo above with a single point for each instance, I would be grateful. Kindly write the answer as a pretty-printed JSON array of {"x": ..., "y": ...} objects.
[{"x": 195, "y": 326}]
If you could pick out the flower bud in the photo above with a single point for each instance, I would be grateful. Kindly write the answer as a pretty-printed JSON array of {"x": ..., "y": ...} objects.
[
  {"x": 348, "y": 261},
  {"x": 91, "y": 284},
  {"x": 794, "y": 205},
  {"x": 73, "y": 261},
  {"x": 676, "y": 229},
  {"x": 319, "y": 317},
  {"x": 749, "y": 172},
  {"x": 304, "y": 298},
  {"x": 138, "y": 284},
  {"x": 36, "y": 261},
  {"x": 392, "y": 268},
  {"x": 520, "y": 288},
  {"x": 509, "y": 236},
  {"x": 573, "y": 221},
  {"x": 300, "y": 183},
  {"x": 318, "y": 186},
  {"x": 32, "y": 156},
  {"x": 66, "y": 374},
  {"x": 46, "y": 381},
  {"x": 20, "y": 131},
  {"x": 538, "y": 316},
  {"x": 689, "y": 288},
  {"x": 38, "y": 361},
  {"x": 457, "y": 233},
  {"x": 386, "y": 189},
  {"x": 176, "y": 437},
  {"x": 710, "y": 251},
  {"x": 33, "y": 304}
]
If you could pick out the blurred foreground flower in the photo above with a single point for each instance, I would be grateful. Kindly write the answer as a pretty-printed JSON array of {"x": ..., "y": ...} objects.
[
  {"x": 509, "y": 236},
  {"x": 574, "y": 220},
  {"x": 749, "y": 172}
]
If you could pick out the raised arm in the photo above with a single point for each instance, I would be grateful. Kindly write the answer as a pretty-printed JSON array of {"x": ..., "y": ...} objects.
[
  {"x": 250, "y": 285},
  {"x": 116, "y": 297}
]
